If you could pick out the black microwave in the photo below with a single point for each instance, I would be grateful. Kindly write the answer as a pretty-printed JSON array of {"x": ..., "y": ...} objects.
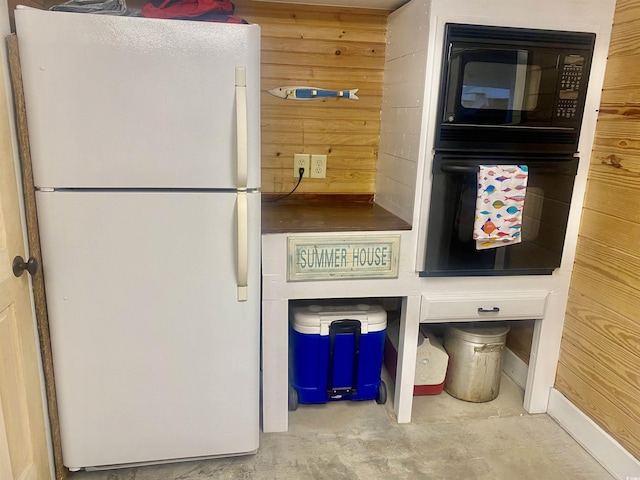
[{"x": 512, "y": 89}]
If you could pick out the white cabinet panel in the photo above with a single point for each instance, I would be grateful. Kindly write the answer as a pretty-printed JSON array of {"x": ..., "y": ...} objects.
[{"x": 481, "y": 306}]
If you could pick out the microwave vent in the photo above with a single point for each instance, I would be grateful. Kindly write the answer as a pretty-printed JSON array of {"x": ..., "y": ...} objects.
[
  {"x": 519, "y": 35},
  {"x": 456, "y": 138}
]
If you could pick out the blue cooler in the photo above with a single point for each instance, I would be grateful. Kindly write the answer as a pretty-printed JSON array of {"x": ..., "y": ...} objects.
[{"x": 336, "y": 353}]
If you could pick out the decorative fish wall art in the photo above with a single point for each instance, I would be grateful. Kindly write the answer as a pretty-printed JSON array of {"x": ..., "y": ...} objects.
[{"x": 310, "y": 93}]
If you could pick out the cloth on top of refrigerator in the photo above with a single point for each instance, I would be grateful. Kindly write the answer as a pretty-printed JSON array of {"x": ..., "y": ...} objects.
[
  {"x": 206, "y": 10},
  {"x": 108, "y": 7},
  {"x": 499, "y": 203}
]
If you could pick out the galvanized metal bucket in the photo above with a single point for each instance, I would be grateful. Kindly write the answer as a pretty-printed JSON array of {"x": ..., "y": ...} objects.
[{"x": 475, "y": 360}]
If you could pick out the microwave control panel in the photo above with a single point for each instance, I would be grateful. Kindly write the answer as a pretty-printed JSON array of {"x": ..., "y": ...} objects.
[{"x": 570, "y": 82}]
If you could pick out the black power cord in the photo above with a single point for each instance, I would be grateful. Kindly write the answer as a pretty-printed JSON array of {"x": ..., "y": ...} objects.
[{"x": 301, "y": 173}]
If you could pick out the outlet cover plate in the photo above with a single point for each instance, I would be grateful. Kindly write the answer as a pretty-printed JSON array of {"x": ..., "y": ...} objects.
[
  {"x": 318, "y": 166},
  {"x": 301, "y": 160}
]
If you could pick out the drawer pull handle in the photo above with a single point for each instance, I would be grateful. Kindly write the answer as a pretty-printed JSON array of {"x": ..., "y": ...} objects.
[{"x": 485, "y": 310}]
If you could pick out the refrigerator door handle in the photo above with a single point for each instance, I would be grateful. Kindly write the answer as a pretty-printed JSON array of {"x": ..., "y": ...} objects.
[
  {"x": 241, "y": 126},
  {"x": 243, "y": 246}
]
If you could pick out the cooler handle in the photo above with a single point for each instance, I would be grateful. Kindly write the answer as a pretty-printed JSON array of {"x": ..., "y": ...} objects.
[{"x": 341, "y": 327}]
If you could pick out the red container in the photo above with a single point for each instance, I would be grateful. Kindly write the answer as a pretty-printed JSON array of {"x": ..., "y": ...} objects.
[{"x": 431, "y": 360}]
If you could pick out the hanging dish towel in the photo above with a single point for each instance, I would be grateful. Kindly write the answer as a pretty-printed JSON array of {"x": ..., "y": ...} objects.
[{"x": 499, "y": 204}]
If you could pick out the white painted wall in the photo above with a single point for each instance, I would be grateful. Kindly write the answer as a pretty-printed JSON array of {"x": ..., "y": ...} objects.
[{"x": 402, "y": 109}]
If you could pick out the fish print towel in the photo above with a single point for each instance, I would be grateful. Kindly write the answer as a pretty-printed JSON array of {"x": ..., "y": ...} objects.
[{"x": 499, "y": 204}]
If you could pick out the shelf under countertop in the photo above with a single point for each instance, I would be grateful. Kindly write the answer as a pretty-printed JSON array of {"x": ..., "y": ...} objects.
[{"x": 326, "y": 213}]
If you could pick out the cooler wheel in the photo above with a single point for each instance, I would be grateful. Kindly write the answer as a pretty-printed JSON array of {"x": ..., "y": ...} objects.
[
  {"x": 381, "y": 399},
  {"x": 293, "y": 399}
]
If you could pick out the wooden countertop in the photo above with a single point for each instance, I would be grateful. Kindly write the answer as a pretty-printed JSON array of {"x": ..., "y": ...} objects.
[{"x": 326, "y": 213}]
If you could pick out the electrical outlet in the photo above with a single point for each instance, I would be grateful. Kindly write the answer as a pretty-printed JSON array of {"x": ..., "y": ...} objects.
[
  {"x": 301, "y": 160},
  {"x": 318, "y": 166}
]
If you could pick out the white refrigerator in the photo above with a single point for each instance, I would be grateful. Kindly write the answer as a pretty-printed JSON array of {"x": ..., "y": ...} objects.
[{"x": 145, "y": 143}]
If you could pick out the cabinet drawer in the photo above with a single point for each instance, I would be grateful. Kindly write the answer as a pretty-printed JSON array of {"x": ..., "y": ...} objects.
[{"x": 483, "y": 306}]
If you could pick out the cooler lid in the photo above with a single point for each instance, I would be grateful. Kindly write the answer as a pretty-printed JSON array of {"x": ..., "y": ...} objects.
[
  {"x": 316, "y": 318},
  {"x": 480, "y": 332}
]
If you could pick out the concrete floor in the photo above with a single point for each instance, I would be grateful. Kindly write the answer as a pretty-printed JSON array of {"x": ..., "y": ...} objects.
[{"x": 448, "y": 439}]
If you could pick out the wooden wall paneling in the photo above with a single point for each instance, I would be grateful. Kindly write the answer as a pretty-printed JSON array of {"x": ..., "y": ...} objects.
[
  {"x": 611, "y": 372},
  {"x": 279, "y": 156},
  {"x": 609, "y": 157},
  {"x": 622, "y": 81},
  {"x": 618, "y": 329},
  {"x": 324, "y": 47},
  {"x": 325, "y": 59},
  {"x": 599, "y": 407},
  {"x": 615, "y": 199},
  {"x": 601, "y": 261},
  {"x": 298, "y": 15},
  {"x": 622, "y": 78},
  {"x": 606, "y": 290},
  {"x": 341, "y": 181},
  {"x": 600, "y": 353},
  {"x": 619, "y": 122},
  {"x": 616, "y": 153},
  {"x": 604, "y": 226},
  {"x": 625, "y": 34},
  {"x": 626, "y": 11},
  {"x": 605, "y": 174},
  {"x": 520, "y": 337}
]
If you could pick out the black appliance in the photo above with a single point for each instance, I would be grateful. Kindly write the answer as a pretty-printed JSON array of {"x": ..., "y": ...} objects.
[
  {"x": 451, "y": 249},
  {"x": 508, "y": 96},
  {"x": 512, "y": 89}
]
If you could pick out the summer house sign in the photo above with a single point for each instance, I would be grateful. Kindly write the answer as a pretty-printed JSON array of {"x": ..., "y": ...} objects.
[{"x": 339, "y": 257}]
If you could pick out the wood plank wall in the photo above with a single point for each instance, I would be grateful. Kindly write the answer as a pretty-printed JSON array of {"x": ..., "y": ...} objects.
[
  {"x": 325, "y": 47},
  {"x": 599, "y": 368}
]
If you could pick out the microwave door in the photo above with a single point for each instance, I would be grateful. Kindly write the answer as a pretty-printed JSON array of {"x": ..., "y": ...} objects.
[
  {"x": 501, "y": 86},
  {"x": 520, "y": 86},
  {"x": 526, "y": 88},
  {"x": 487, "y": 86},
  {"x": 512, "y": 89}
]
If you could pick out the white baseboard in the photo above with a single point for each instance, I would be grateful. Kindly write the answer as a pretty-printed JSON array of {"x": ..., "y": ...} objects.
[
  {"x": 600, "y": 445},
  {"x": 515, "y": 368}
]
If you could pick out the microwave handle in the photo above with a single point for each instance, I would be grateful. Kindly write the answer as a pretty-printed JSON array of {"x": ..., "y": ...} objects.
[{"x": 460, "y": 168}]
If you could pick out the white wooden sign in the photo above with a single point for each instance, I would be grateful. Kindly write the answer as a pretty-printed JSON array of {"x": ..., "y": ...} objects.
[{"x": 345, "y": 256}]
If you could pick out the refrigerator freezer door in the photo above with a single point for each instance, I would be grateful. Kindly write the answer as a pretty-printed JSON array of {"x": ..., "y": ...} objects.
[
  {"x": 135, "y": 102},
  {"x": 155, "y": 357}
]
